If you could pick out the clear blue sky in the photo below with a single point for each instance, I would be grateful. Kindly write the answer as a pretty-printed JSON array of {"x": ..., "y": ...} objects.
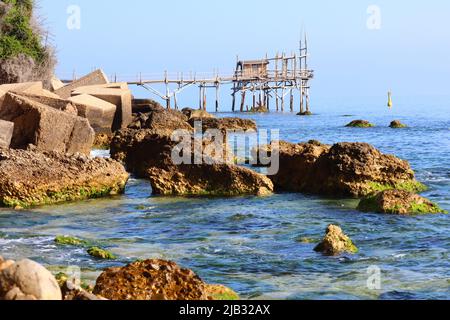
[{"x": 409, "y": 54}]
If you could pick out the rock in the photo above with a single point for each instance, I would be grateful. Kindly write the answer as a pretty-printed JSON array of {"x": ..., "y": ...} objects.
[
  {"x": 95, "y": 78},
  {"x": 70, "y": 241},
  {"x": 149, "y": 156},
  {"x": 28, "y": 280},
  {"x": 100, "y": 253},
  {"x": 225, "y": 124},
  {"x": 72, "y": 292},
  {"x": 54, "y": 102},
  {"x": 25, "y": 88},
  {"x": 305, "y": 113},
  {"x": 102, "y": 141},
  {"x": 119, "y": 97},
  {"x": 200, "y": 114},
  {"x": 46, "y": 128},
  {"x": 398, "y": 202},
  {"x": 163, "y": 122},
  {"x": 296, "y": 164},
  {"x": 157, "y": 280},
  {"x": 259, "y": 109},
  {"x": 29, "y": 178},
  {"x": 335, "y": 242},
  {"x": 6, "y": 133},
  {"x": 359, "y": 169},
  {"x": 360, "y": 124},
  {"x": 56, "y": 84},
  {"x": 396, "y": 124},
  {"x": 100, "y": 113},
  {"x": 146, "y": 105},
  {"x": 4, "y": 264},
  {"x": 220, "y": 292}
]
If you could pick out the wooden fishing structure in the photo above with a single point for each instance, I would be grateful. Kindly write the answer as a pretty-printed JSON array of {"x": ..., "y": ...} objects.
[{"x": 277, "y": 78}]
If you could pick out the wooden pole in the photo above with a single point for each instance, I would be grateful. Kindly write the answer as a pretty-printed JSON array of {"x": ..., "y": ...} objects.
[
  {"x": 200, "y": 97},
  {"x": 302, "y": 110},
  {"x": 243, "y": 100},
  {"x": 292, "y": 100},
  {"x": 167, "y": 90},
  {"x": 217, "y": 96},
  {"x": 254, "y": 98},
  {"x": 204, "y": 97}
]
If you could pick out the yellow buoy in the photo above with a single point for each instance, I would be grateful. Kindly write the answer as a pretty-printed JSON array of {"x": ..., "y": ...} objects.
[{"x": 390, "y": 104}]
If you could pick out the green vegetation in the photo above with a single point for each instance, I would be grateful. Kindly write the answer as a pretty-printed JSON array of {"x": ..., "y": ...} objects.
[
  {"x": 221, "y": 293},
  {"x": 71, "y": 241},
  {"x": 351, "y": 247},
  {"x": 17, "y": 35},
  {"x": 100, "y": 253},
  {"x": 412, "y": 186},
  {"x": 305, "y": 240}
]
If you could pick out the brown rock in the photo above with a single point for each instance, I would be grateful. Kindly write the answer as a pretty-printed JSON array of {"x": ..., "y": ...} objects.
[
  {"x": 95, "y": 78},
  {"x": 398, "y": 202},
  {"x": 396, "y": 124},
  {"x": 54, "y": 102},
  {"x": 46, "y": 128},
  {"x": 146, "y": 106},
  {"x": 72, "y": 292},
  {"x": 150, "y": 280},
  {"x": 6, "y": 133},
  {"x": 29, "y": 178},
  {"x": 225, "y": 124},
  {"x": 200, "y": 114},
  {"x": 360, "y": 124},
  {"x": 336, "y": 242}
]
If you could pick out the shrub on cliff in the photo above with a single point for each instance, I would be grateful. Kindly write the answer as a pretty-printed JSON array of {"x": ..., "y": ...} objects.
[{"x": 23, "y": 56}]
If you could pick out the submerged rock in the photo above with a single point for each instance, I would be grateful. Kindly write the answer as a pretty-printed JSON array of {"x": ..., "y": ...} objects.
[
  {"x": 398, "y": 202},
  {"x": 305, "y": 113},
  {"x": 30, "y": 178},
  {"x": 396, "y": 124},
  {"x": 335, "y": 242},
  {"x": 345, "y": 169},
  {"x": 70, "y": 241},
  {"x": 27, "y": 280},
  {"x": 154, "y": 280},
  {"x": 100, "y": 253},
  {"x": 360, "y": 124}
]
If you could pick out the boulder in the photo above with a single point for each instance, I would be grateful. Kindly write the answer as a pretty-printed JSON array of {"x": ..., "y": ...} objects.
[
  {"x": 200, "y": 114},
  {"x": 398, "y": 202},
  {"x": 360, "y": 124},
  {"x": 26, "y": 88},
  {"x": 335, "y": 242},
  {"x": 100, "y": 113},
  {"x": 359, "y": 169},
  {"x": 145, "y": 106},
  {"x": 6, "y": 133},
  {"x": 73, "y": 292},
  {"x": 225, "y": 124},
  {"x": 345, "y": 169},
  {"x": 102, "y": 141},
  {"x": 156, "y": 280},
  {"x": 28, "y": 280},
  {"x": 305, "y": 113},
  {"x": 45, "y": 127},
  {"x": 29, "y": 178},
  {"x": 396, "y": 124},
  {"x": 56, "y": 84},
  {"x": 121, "y": 98},
  {"x": 163, "y": 122},
  {"x": 50, "y": 101},
  {"x": 149, "y": 155},
  {"x": 95, "y": 78}
]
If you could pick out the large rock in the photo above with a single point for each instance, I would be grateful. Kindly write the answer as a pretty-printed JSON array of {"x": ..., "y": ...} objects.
[
  {"x": 155, "y": 280},
  {"x": 6, "y": 132},
  {"x": 335, "y": 242},
  {"x": 28, "y": 178},
  {"x": 225, "y": 124},
  {"x": 25, "y": 87},
  {"x": 47, "y": 128},
  {"x": 51, "y": 101},
  {"x": 398, "y": 202},
  {"x": 95, "y": 78},
  {"x": 121, "y": 98},
  {"x": 56, "y": 84},
  {"x": 345, "y": 169},
  {"x": 28, "y": 280},
  {"x": 149, "y": 155},
  {"x": 200, "y": 114},
  {"x": 100, "y": 113},
  {"x": 146, "y": 105},
  {"x": 360, "y": 124},
  {"x": 164, "y": 122}
]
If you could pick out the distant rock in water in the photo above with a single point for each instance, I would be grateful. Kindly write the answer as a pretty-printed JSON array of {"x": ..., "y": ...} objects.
[
  {"x": 29, "y": 178},
  {"x": 225, "y": 124},
  {"x": 335, "y": 242},
  {"x": 360, "y": 124},
  {"x": 398, "y": 202},
  {"x": 156, "y": 280},
  {"x": 345, "y": 169},
  {"x": 27, "y": 280},
  {"x": 192, "y": 113},
  {"x": 396, "y": 124},
  {"x": 305, "y": 113}
]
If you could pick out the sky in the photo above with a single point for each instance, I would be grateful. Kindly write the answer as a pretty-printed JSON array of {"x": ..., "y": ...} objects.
[{"x": 355, "y": 51}]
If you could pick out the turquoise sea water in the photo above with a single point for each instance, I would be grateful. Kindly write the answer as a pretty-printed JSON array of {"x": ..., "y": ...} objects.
[{"x": 251, "y": 244}]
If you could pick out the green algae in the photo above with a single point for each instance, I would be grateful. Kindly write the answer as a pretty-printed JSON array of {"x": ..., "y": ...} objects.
[
  {"x": 71, "y": 241},
  {"x": 100, "y": 253},
  {"x": 412, "y": 186}
]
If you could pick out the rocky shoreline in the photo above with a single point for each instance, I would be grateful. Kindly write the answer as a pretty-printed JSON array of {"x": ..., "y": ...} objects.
[{"x": 45, "y": 144}]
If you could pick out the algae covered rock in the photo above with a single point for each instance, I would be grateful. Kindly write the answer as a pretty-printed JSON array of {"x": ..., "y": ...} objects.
[
  {"x": 220, "y": 292},
  {"x": 100, "y": 253},
  {"x": 29, "y": 178},
  {"x": 360, "y": 124},
  {"x": 70, "y": 241},
  {"x": 396, "y": 124},
  {"x": 398, "y": 202},
  {"x": 335, "y": 242}
]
